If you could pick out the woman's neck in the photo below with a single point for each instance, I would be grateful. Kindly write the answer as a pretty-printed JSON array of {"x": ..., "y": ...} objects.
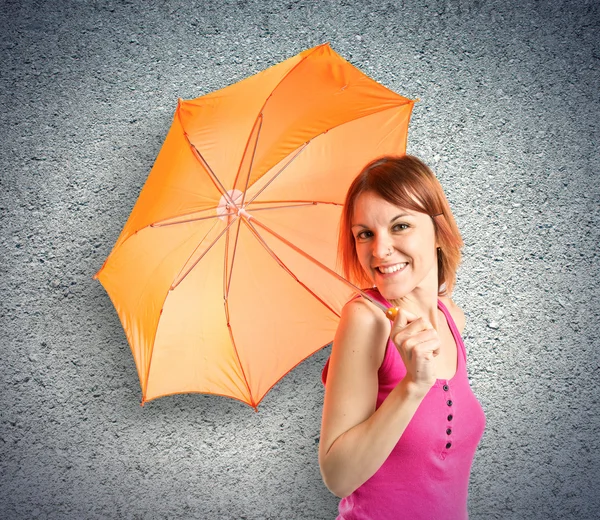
[{"x": 422, "y": 304}]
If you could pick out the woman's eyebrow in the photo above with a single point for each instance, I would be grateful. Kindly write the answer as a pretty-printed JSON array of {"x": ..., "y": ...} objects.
[{"x": 401, "y": 215}]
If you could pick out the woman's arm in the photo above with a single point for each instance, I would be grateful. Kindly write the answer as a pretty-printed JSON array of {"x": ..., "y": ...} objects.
[{"x": 356, "y": 439}]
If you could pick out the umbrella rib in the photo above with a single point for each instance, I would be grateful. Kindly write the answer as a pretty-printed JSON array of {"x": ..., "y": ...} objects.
[
  {"x": 214, "y": 178},
  {"x": 296, "y": 204},
  {"x": 260, "y": 116},
  {"x": 285, "y": 267},
  {"x": 179, "y": 278},
  {"x": 314, "y": 137},
  {"x": 308, "y": 257},
  {"x": 323, "y": 266},
  {"x": 226, "y": 285},
  {"x": 212, "y": 175},
  {"x": 161, "y": 224},
  {"x": 230, "y": 330},
  {"x": 285, "y": 206},
  {"x": 300, "y": 150},
  {"x": 258, "y": 120},
  {"x": 165, "y": 299},
  {"x": 225, "y": 263},
  {"x": 201, "y": 158},
  {"x": 166, "y": 222},
  {"x": 227, "y": 276},
  {"x": 174, "y": 284},
  {"x": 260, "y": 112}
]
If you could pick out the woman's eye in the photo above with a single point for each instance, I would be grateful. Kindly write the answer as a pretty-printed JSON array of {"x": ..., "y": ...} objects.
[
  {"x": 363, "y": 235},
  {"x": 400, "y": 227}
]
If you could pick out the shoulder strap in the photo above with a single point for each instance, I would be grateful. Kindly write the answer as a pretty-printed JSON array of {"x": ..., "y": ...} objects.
[{"x": 453, "y": 328}]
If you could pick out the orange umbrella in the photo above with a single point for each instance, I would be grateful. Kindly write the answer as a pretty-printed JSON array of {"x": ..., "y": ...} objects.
[{"x": 224, "y": 274}]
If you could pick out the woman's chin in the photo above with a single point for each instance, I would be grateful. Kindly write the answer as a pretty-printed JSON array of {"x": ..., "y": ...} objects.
[{"x": 390, "y": 293}]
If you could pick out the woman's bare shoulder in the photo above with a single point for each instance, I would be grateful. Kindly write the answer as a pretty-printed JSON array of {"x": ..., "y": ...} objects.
[
  {"x": 364, "y": 312},
  {"x": 368, "y": 326}
]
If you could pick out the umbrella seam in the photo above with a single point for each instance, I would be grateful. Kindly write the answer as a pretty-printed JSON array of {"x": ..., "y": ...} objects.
[
  {"x": 147, "y": 372},
  {"x": 237, "y": 355},
  {"x": 227, "y": 280},
  {"x": 305, "y": 144},
  {"x": 259, "y": 119},
  {"x": 203, "y": 254},
  {"x": 301, "y": 361},
  {"x": 203, "y": 161},
  {"x": 282, "y": 264},
  {"x": 260, "y": 112}
]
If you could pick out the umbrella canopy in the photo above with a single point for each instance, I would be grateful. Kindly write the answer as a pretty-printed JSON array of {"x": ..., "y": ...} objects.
[{"x": 224, "y": 274}]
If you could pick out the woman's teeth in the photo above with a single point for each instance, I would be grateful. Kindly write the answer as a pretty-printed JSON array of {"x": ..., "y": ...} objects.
[{"x": 391, "y": 268}]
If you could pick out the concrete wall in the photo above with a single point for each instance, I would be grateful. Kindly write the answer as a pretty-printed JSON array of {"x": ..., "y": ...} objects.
[{"x": 508, "y": 119}]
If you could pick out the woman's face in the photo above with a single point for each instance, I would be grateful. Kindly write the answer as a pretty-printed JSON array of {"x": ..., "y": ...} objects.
[{"x": 396, "y": 247}]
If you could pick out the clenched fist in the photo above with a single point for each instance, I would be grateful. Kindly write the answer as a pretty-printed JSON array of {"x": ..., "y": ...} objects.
[{"x": 418, "y": 344}]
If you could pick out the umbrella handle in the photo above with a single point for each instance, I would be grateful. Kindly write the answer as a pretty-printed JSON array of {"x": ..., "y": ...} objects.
[{"x": 391, "y": 313}]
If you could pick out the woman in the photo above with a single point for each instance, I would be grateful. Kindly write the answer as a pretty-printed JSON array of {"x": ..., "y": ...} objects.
[{"x": 400, "y": 422}]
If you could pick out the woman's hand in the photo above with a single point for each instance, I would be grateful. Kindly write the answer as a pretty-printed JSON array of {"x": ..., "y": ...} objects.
[{"x": 418, "y": 344}]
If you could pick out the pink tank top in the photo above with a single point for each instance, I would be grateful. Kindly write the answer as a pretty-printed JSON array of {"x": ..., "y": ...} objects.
[{"x": 426, "y": 476}]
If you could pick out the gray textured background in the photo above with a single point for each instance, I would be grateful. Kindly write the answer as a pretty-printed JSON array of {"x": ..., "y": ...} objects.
[{"x": 508, "y": 118}]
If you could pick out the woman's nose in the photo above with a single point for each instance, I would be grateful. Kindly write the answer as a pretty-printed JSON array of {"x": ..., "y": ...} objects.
[{"x": 382, "y": 246}]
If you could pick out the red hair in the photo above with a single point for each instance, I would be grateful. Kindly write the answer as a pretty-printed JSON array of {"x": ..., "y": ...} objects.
[{"x": 407, "y": 182}]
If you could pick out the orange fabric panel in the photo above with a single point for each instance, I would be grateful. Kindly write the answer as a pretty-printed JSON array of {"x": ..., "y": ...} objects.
[
  {"x": 177, "y": 184},
  {"x": 138, "y": 276},
  {"x": 333, "y": 159},
  {"x": 276, "y": 322},
  {"x": 219, "y": 124},
  {"x": 193, "y": 351}
]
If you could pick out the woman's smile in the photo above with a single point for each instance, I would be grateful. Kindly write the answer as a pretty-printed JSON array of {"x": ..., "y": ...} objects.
[{"x": 390, "y": 269}]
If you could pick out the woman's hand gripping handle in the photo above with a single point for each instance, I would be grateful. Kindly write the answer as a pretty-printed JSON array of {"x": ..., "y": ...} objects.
[{"x": 418, "y": 344}]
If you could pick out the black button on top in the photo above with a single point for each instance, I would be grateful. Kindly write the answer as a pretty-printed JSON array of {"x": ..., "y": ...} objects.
[
  {"x": 450, "y": 417},
  {"x": 448, "y": 444},
  {"x": 449, "y": 402},
  {"x": 449, "y": 431},
  {"x": 445, "y": 387}
]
